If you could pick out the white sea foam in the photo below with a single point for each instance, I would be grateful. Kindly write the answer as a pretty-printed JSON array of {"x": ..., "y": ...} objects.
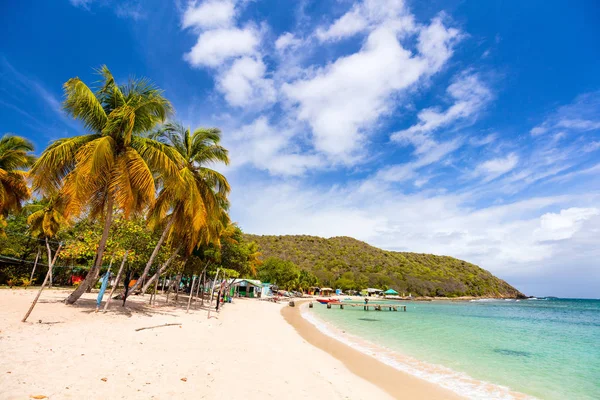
[{"x": 457, "y": 382}]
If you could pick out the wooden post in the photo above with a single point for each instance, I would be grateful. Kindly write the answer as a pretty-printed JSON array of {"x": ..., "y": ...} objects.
[
  {"x": 203, "y": 287},
  {"x": 37, "y": 257},
  {"x": 211, "y": 293},
  {"x": 112, "y": 290},
  {"x": 191, "y": 293},
  {"x": 51, "y": 262},
  {"x": 198, "y": 288}
]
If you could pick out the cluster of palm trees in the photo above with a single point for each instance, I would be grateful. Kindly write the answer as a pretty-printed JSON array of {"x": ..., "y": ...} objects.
[{"x": 131, "y": 161}]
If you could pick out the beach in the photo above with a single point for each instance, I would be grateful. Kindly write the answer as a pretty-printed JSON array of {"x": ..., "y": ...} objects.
[{"x": 247, "y": 350}]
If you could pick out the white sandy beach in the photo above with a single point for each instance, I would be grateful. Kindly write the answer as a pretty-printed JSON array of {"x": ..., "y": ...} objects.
[{"x": 248, "y": 350}]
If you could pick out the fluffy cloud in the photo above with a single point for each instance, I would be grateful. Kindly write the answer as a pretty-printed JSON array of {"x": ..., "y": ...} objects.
[
  {"x": 269, "y": 148},
  {"x": 287, "y": 41},
  {"x": 343, "y": 100},
  {"x": 209, "y": 14},
  {"x": 563, "y": 225},
  {"x": 214, "y": 47},
  {"x": 244, "y": 83},
  {"x": 366, "y": 15}
]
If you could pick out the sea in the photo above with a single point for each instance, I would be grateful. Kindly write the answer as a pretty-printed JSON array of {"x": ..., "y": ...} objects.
[{"x": 544, "y": 348}]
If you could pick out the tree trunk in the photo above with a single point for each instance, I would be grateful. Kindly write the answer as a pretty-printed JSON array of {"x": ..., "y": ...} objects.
[
  {"x": 155, "y": 291},
  {"x": 177, "y": 283},
  {"x": 154, "y": 254},
  {"x": 198, "y": 287},
  {"x": 191, "y": 294},
  {"x": 201, "y": 281},
  {"x": 211, "y": 292},
  {"x": 95, "y": 270},
  {"x": 203, "y": 286},
  {"x": 50, "y": 264},
  {"x": 112, "y": 291},
  {"x": 162, "y": 269},
  {"x": 37, "y": 257}
]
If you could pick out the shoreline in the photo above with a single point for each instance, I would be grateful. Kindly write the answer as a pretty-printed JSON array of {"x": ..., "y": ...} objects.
[{"x": 396, "y": 383}]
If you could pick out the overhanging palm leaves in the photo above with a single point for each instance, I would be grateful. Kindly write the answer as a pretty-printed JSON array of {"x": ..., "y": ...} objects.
[{"x": 14, "y": 155}]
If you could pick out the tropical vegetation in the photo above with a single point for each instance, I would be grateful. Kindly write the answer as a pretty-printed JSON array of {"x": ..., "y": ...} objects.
[{"x": 349, "y": 264}]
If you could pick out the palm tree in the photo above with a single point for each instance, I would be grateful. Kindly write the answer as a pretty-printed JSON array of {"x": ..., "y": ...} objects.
[
  {"x": 113, "y": 165},
  {"x": 192, "y": 205},
  {"x": 14, "y": 156},
  {"x": 46, "y": 218},
  {"x": 45, "y": 221}
]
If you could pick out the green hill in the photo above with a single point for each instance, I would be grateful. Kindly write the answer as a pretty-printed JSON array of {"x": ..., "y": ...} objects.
[{"x": 347, "y": 263}]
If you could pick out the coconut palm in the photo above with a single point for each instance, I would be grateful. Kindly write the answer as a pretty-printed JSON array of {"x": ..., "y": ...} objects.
[
  {"x": 14, "y": 156},
  {"x": 45, "y": 220},
  {"x": 113, "y": 166},
  {"x": 192, "y": 206}
]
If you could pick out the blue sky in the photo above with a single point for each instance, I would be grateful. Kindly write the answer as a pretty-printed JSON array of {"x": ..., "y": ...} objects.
[{"x": 469, "y": 129}]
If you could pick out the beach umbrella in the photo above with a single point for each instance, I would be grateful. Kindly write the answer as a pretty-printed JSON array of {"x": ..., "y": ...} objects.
[{"x": 390, "y": 291}]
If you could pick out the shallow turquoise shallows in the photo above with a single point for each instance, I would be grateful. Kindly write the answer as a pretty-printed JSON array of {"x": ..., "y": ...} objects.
[{"x": 548, "y": 349}]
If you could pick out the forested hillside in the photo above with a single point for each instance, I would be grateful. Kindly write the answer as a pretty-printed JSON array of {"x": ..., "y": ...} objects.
[{"x": 347, "y": 263}]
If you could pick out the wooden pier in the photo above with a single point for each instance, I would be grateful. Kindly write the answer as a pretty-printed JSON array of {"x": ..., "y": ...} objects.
[{"x": 367, "y": 307}]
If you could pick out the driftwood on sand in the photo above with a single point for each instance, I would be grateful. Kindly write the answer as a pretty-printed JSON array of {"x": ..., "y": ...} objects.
[{"x": 155, "y": 326}]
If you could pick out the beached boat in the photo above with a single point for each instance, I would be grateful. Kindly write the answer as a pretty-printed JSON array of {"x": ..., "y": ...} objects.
[{"x": 326, "y": 301}]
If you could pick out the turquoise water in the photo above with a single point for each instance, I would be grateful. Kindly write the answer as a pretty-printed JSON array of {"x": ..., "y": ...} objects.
[{"x": 549, "y": 349}]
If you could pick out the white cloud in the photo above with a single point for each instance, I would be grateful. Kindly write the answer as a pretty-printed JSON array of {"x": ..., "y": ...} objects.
[
  {"x": 343, "y": 100},
  {"x": 492, "y": 169},
  {"x": 469, "y": 94},
  {"x": 287, "y": 41},
  {"x": 269, "y": 148},
  {"x": 349, "y": 24},
  {"x": 214, "y": 47},
  {"x": 209, "y": 14},
  {"x": 367, "y": 15},
  {"x": 244, "y": 83},
  {"x": 435, "y": 42},
  {"x": 563, "y": 225},
  {"x": 577, "y": 117}
]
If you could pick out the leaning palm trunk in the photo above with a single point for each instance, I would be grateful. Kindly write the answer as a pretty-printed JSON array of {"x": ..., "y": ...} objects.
[
  {"x": 95, "y": 270},
  {"x": 37, "y": 257},
  {"x": 51, "y": 262},
  {"x": 162, "y": 269},
  {"x": 153, "y": 256},
  {"x": 112, "y": 291},
  {"x": 191, "y": 293}
]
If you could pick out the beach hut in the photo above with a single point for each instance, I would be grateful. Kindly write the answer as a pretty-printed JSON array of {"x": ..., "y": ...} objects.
[
  {"x": 246, "y": 287},
  {"x": 390, "y": 292},
  {"x": 326, "y": 291},
  {"x": 373, "y": 291}
]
